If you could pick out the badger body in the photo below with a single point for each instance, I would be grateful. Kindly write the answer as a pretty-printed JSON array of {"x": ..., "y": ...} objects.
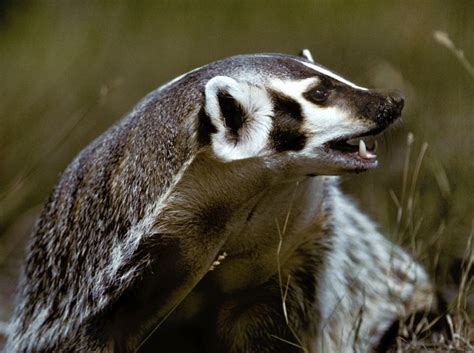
[{"x": 210, "y": 215}]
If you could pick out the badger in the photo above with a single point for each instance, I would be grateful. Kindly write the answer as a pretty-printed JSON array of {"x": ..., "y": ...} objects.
[{"x": 209, "y": 219}]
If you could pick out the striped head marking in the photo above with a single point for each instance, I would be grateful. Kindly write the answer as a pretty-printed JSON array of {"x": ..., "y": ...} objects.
[{"x": 288, "y": 105}]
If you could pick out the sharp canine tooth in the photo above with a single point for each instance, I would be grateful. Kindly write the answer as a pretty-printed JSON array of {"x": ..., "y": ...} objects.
[{"x": 362, "y": 149}]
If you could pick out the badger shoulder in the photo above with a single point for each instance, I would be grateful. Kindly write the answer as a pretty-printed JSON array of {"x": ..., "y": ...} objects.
[{"x": 94, "y": 206}]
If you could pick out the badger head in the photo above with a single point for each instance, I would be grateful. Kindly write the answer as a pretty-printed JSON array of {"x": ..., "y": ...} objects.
[{"x": 278, "y": 105}]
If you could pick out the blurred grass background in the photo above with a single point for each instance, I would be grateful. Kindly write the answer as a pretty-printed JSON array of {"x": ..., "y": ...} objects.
[{"x": 69, "y": 69}]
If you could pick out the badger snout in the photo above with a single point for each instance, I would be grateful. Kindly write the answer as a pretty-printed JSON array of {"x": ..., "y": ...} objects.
[
  {"x": 389, "y": 110},
  {"x": 382, "y": 106}
]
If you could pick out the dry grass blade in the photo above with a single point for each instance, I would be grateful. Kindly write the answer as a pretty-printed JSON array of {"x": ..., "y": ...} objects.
[
  {"x": 414, "y": 334},
  {"x": 284, "y": 292},
  {"x": 443, "y": 39}
]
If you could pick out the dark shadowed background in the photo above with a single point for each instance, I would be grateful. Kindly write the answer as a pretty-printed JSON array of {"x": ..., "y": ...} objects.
[{"x": 69, "y": 69}]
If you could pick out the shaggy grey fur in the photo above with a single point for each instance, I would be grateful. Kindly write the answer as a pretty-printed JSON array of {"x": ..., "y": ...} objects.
[{"x": 125, "y": 242}]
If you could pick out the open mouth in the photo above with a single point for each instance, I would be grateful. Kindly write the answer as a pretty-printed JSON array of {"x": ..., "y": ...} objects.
[{"x": 356, "y": 150}]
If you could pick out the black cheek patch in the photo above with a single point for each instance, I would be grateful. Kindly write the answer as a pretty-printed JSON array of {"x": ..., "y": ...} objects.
[
  {"x": 286, "y": 138},
  {"x": 234, "y": 114},
  {"x": 286, "y": 105},
  {"x": 286, "y": 134}
]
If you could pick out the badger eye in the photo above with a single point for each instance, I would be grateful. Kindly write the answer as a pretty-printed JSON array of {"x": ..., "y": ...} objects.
[{"x": 318, "y": 94}]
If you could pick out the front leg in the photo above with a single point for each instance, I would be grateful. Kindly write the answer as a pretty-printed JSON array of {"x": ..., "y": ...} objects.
[
  {"x": 174, "y": 247},
  {"x": 163, "y": 283}
]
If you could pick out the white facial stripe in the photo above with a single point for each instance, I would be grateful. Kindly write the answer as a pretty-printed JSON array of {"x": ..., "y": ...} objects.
[
  {"x": 332, "y": 74},
  {"x": 323, "y": 123},
  {"x": 326, "y": 124},
  {"x": 293, "y": 89}
]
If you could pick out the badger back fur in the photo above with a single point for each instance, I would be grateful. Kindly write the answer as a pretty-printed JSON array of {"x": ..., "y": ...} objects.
[{"x": 228, "y": 168}]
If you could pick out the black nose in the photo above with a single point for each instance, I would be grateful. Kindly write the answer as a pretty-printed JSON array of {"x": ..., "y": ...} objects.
[
  {"x": 395, "y": 100},
  {"x": 390, "y": 107},
  {"x": 380, "y": 105}
]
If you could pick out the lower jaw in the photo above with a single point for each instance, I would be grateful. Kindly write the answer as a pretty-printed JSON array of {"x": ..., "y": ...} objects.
[{"x": 351, "y": 161}]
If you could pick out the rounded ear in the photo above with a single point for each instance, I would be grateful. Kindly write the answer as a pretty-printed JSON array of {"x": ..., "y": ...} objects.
[
  {"x": 222, "y": 104},
  {"x": 241, "y": 114},
  {"x": 305, "y": 53}
]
